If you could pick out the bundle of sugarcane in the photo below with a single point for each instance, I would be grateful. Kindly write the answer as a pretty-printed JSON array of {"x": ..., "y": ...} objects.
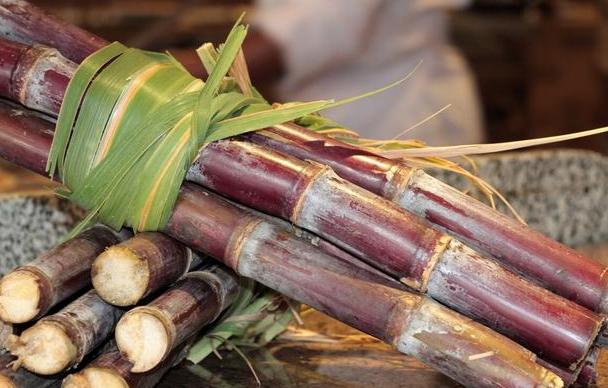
[
  {"x": 309, "y": 195},
  {"x": 266, "y": 252}
]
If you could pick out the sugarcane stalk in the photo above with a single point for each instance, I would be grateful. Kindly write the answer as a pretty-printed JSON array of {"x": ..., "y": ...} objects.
[
  {"x": 35, "y": 68},
  {"x": 113, "y": 370},
  {"x": 584, "y": 376},
  {"x": 528, "y": 252},
  {"x": 397, "y": 242},
  {"x": 126, "y": 273},
  {"x": 19, "y": 18},
  {"x": 588, "y": 374},
  {"x": 415, "y": 325},
  {"x": 329, "y": 248},
  {"x": 147, "y": 334},
  {"x": 29, "y": 148},
  {"x": 30, "y": 291},
  {"x": 60, "y": 341},
  {"x": 400, "y": 244},
  {"x": 267, "y": 253},
  {"x": 568, "y": 377},
  {"x": 21, "y": 378}
]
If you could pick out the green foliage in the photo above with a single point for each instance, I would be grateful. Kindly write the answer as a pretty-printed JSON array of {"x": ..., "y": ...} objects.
[{"x": 132, "y": 122}]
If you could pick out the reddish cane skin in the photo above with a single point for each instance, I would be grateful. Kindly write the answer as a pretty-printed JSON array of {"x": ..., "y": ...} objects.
[
  {"x": 558, "y": 330},
  {"x": 67, "y": 266},
  {"x": 19, "y": 19},
  {"x": 17, "y": 62},
  {"x": 366, "y": 169},
  {"x": 56, "y": 85},
  {"x": 116, "y": 363},
  {"x": 497, "y": 300},
  {"x": 88, "y": 321},
  {"x": 366, "y": 225},
  {"x": 190, "y": 304},
  {"x": 195, "y": 205},
  {"x": 530, "y": 253},
  {"x": 533, "y": 255},
  {"x": 205, "y": 223},
  {"x": 317, "y": 280},
  {"x": 26, "y": 148},
  {"x": 9, "y": 58},
  {"x": 220, "y": 167},
  {"x": 166, "y": 259}
]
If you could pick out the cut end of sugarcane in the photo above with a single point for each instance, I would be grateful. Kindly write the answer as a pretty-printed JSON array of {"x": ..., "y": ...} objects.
[
  {"x": 19, "y": 297},
  {"x": 142, "y": 338},
  {"x": 120, "y": 277},
  {"x": 552, "y": 381},
  {"x": 43, "y": 348},
  {"x": 94, "y": 377}
]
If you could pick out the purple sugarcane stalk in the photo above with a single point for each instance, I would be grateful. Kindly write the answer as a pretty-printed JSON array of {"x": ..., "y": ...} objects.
[
  {"x": 30, "y": 291},
  {"x": 111, "y": 369},
  {"x": 63, "y": 339},
  {"x": 526, "y": 251},
  {"x": 128, "y": 272}
]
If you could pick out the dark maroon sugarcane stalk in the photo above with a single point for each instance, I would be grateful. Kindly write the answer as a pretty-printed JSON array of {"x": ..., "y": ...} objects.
[
  {"x": 588, "y": 374},
  {"x": 128, "y": 272},
  {"x": 269, "y": 254},
  {"x": 19, "y": 18},
  {"x": 568, "y": 377},
  {"x": 42, "y": 70},
  {"x": 399, "y": 243},
  {"x": 415, "y": 325},
  {"x": 21, "y": 378},
  {"x": 394, "y": 240},
  {"x": 111, "y": 369},
  {"x": 528, "y": 252},
  {"x": 60, "y": 341},
  {"x": 585, "y": 375},
  {"x": 314, "y": 198},
  {"x": 147, "y": 334},
  {"x": 30, "y": 291},
  {"x": 329, "y": 248}
]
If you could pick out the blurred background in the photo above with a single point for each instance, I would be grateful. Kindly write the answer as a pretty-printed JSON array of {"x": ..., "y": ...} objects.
[{"x": 496, "y": 70}]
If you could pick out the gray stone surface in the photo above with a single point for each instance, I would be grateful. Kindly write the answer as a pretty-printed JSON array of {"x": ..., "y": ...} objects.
[{"x": 31, "y": 224}]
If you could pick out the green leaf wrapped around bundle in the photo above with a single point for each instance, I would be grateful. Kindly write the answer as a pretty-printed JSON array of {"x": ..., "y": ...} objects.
[{"x": 132, "y": 122}]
